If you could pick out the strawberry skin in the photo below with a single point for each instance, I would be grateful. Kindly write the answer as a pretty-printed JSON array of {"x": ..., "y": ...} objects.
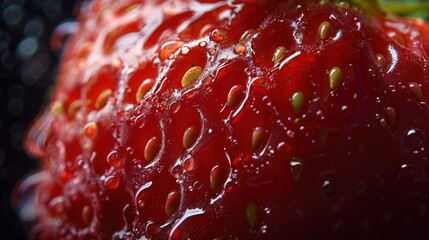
[{"x": 236, "y": 120}]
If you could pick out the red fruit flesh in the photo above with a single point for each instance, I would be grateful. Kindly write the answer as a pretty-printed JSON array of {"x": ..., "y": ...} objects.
[{"x": 236, "y": 120}]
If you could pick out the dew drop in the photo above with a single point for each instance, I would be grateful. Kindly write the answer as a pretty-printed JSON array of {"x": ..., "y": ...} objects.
[
  {"x": 219, "y": 35},
  {"x": 114, "y": 159},
  {"x": 415, "y": 140},
  {"x": 329, "y": 189},
  {"x": 239, "y": 49},
  {"x": 169, "y": 48},
  {"x": 57, "y": 206},
  {"x": 91, "y": 130},
  {"x": 112, "y": 182},
  {"x": 296, "y": 167},
  {"x": 189, "y": 164}
]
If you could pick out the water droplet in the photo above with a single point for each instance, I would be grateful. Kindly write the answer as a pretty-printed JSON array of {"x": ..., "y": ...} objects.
[
  {"x": 112, "y": 182},
  {"x": 219, "y": 35},
  {"x": 329, "y": 189},
  {"x": 57, "y": 206},
  {"x": 188, "y": 164},
  {"x": 140, "y": 203},
  {"x": 91, "y": 130},
  {"x": 415, "y": 140},
  {"x": 239, "y": 48},
  {"x": 114, "y": 159},
  {"x": 296, "y": 167},
  {"x": 169, "y": 48}
]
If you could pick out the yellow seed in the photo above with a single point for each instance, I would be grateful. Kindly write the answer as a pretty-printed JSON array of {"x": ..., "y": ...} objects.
[
  {"x": 297, "y": 101},
  {"x": 57, "y": 108},
  {"x": 278, "y": 54},
  {"x": 152, "y": 148},
  {"x": 190, "y": 136},
  {"x": 335, "y": 75},
  {"x": 246, "y": 34},
  {"x": 102, "y": 98},
  {"x": 191, "y": 75},
  {"x": 239, "y": 49},
  {"x": 235, "y": 95},
  {"x": 324, "y": 30},
  {"x": 143, "y": 89}
]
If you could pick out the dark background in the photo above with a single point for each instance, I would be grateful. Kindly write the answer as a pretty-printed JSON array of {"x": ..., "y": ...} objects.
[{"x": 27, "y": 69}]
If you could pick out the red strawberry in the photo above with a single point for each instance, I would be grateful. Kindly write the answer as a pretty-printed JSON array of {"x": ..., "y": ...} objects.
[{"x": 236, "y": 120}]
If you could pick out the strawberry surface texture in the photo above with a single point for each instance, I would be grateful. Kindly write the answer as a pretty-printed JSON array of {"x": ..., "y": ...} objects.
[{"x": 236, "y": 120}]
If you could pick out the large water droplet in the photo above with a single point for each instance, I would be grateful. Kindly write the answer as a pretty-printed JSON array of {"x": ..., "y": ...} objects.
[{"x": 415, "y": 140}]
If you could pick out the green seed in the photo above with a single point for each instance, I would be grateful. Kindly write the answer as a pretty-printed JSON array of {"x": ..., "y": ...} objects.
[
  {"x": 191, "y": 75},
  {"x": 252, "y": 214},
  {"x": 297, "y": 102},
  {"x": 324, "y": 30},
  {"x": 278, "y": 54},
  {"x": 335, "y": 75}
]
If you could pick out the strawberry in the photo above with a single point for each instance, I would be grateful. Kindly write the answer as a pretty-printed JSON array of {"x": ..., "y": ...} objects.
[{"x": 236, "y": 120}]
